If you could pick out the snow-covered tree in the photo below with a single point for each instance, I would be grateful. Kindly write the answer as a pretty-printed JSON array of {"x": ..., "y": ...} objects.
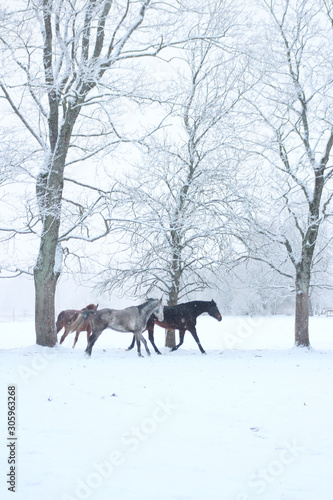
[
  {"x": 293, "y": 126},
  {"x": 64, "y": 66},
  {"x": 185, "y": 191}
]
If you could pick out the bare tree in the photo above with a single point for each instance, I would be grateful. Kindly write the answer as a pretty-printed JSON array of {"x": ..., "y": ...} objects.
[
  {"x": 294, "y": 106},
  {"x": 182, "y": 197},
  {"x": 56, "y": 78}
]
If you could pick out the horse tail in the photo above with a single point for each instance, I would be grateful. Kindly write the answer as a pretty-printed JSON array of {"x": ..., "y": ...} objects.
[
  {"x": 82, "y": 318},
  {"x": 59, "y": 322}
]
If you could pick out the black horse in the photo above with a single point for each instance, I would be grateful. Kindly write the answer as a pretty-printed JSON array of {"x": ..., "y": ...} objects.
[{"x": 182, "y": 317}]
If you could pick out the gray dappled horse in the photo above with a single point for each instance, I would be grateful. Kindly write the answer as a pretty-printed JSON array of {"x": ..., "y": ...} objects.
[{"x": 132, "y": 319}]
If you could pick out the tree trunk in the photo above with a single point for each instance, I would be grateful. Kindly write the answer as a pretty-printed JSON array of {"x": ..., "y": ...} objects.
[
  {"x": 302, "y": 320},
  {"x": 49, "y": 189},
  {"x": 170, "y": 338},
  {"x": 47, "y": 270},
  {"x": 170, "y": 335},
  {"x": 302, "y": 308},
  {"x": 46, "y": 277},
  {"x": 45, "y": 286}
]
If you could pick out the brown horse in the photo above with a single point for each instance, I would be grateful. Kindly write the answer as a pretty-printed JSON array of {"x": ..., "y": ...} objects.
[{"x": 66, "y": 319}]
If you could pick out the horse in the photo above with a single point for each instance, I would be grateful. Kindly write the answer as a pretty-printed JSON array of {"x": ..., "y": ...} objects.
[
  {"x": 132, "y": 319},
  {"x": 182, "y": 317},
  {"x": 66, "y": 319}
]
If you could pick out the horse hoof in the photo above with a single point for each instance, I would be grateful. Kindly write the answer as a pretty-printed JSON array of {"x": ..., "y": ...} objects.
[{"x": 87, "y": 355}]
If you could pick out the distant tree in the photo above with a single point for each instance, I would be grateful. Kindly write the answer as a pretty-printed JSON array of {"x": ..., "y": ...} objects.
[{"x": 293, "y": 127}]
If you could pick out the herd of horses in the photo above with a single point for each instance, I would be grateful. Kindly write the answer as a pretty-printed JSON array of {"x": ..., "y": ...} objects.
[{"x": 136, "y": 319}]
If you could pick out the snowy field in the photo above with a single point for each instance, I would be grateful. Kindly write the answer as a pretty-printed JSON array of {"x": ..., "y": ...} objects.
[{"x": 251, "y": 420}]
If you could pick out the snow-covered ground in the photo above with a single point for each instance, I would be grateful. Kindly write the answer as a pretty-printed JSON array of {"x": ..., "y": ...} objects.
[{"x": 251, "y": 420}]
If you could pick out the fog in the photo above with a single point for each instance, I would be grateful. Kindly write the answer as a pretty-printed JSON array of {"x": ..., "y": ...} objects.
[{"x": 18, "y": 298}]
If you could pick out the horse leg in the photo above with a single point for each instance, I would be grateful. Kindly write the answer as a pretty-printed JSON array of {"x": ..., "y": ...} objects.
[
  {"x": 76, "y": 338},
  {"x": 88, "y": 332},
  {"x": 181, "y": 339},
  {"x": 151, "y": 338},
  {"x": 196, "y": 338},
  {"x": 144, "y": 343},
  {"x": 59, "y": 326},
  {"x": 138, "y": 344},
  {"x": 92, "y": 339},
  {"x": 140, "y": 338},
  {"x": 64, "y": 335},
  {"x": 132, "y": 344},
  {"x": 60, "y": 322}
]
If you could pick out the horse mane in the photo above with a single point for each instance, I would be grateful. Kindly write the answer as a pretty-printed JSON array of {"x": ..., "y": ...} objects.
[
  {"x": 141, "y": 306},
  {"x": 195, "y": 302}
]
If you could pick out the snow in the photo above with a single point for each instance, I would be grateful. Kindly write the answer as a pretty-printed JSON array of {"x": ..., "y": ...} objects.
[
  {"x": 251, "y": 420},
  {"x": 58, "y": 259}
]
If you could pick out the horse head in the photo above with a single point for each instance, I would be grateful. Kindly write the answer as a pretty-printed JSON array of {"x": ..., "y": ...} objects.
[
  {"x": 92, "y": 307},
  {"x": 213, "y": 311},
  {"x": 158, "y": 312}
]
